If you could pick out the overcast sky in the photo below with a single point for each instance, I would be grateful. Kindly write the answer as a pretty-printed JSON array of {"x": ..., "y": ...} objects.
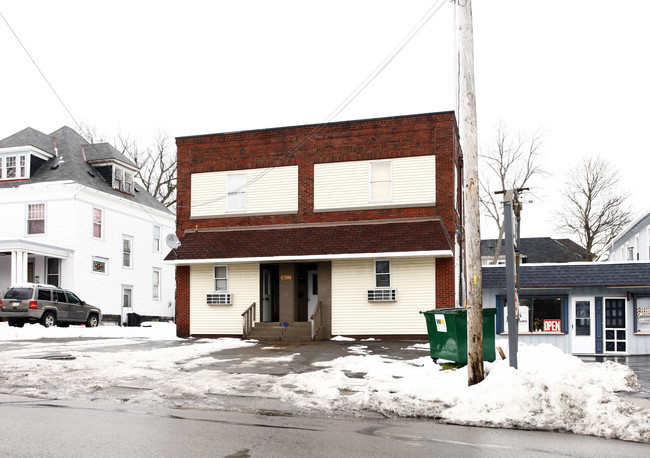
[{"x": 577, "y": 70}]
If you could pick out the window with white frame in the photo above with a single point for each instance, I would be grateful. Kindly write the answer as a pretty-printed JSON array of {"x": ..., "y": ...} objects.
[
  {"x": 100, "y": 265},
  {"x": 382, "y": 274},
  {"x": 156, "y": 284},
  {"x": 118, "y": 178},
  {"x": 128, "y": 182},
  {"x": 122, "y": 180},
  {"x": 648, "y": 240},
  {"x": 53, "y": 271},
  {"x": 630, "y": 252},
  {"x": 156, "y": 239},
  {"x": 637, "y": 246},
  {"x": 13, "y": 167},
  {"x": 36, "y": 218},
  {"x": 98, "y": 223},
  {"x": 127, "y": 252},
  {"x": 236, "y": 192},
  {"x": 380, "y": 181},
  {"x": 221, "y": 278}
]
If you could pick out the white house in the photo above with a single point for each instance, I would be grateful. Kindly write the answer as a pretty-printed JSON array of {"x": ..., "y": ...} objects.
[
  {"x": 633, "y": 244},
  {"x": 72, "y": 216}
]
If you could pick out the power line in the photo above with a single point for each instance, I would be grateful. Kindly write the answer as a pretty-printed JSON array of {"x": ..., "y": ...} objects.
[
  {"x": 431, "y": 12},
  {"x": 92, "y": 144}
]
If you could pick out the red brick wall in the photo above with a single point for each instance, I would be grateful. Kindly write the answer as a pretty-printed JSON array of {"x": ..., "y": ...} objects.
[
  {"x": 402, "y": 136},
  {"x": 182, "y": 301}
]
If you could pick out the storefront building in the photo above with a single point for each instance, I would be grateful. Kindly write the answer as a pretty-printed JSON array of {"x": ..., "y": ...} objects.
[{"x": 582, "y": 308}]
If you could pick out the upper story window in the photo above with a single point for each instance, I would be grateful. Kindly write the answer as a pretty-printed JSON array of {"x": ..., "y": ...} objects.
[
  {"x": 630, "y": 252},
  {"x": 36, "y": 218},
  {"x": 156, "y": 239},
  {"x": 122, "y": 180},
  {"x": 13, "y": 167},
  {"x": 98, "y": 223},
  {"x": 380, "y": 181},
  {"x": 236, "y": 192},
  {"x": 127, "y": 252},
  {"x": 382, "y": 274},
  {"x": 637, "y": 246}
]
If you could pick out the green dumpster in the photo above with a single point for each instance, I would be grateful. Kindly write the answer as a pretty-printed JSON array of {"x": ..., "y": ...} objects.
[{"x": 447, "y": 329}]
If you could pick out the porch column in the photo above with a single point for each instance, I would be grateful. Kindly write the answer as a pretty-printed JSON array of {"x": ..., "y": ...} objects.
[{"x": 19, "y": 260}]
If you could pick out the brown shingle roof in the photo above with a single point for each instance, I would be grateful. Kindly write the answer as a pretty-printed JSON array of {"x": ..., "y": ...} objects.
[{"x": 314, "y": 240}]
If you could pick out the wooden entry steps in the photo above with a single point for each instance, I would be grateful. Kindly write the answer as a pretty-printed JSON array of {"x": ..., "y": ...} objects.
[{"x": 293, "y": 332}]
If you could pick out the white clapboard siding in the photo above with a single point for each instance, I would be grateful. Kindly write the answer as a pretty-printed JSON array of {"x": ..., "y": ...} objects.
[
  {"x": 267, "y": 191},
  {"x": 243, "y": 284},
  {"x": 352, "y": 314},
  {"x": 346, "y": 184}
]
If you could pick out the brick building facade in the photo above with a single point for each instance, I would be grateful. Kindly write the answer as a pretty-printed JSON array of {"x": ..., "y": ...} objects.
[{"x": 359, "y": 217}]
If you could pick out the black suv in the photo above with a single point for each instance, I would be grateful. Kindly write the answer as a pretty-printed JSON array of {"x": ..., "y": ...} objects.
[{"x": 48, "y": 305}]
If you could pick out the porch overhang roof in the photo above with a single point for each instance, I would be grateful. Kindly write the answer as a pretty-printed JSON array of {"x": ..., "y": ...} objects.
[
  {"x": 314, "y": 242},
  {"x": 36, "y": 248}
]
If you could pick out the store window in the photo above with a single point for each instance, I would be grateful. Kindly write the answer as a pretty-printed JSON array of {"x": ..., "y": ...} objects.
[
  {"x": 642, "y": 314},
  {"x": 538, "y": 314}
]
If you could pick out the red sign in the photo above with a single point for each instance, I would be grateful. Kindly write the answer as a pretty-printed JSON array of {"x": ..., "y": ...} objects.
[
  {"x": 286, "y": 277},
  {"x": 552, "y": 326}
]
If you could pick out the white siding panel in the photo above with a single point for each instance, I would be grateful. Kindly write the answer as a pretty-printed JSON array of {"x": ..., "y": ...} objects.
[
  {"x": 346, "y": 184},
  {"x": 243, "y": 284},
  {"x": 267, "y": 191},
  {"x": 352, "y": 314}
]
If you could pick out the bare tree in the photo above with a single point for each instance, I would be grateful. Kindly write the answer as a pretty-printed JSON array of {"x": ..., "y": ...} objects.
[
  {"x": 594, "y": 207},
  {"x": 511, "y": 163},
  {"x": 156, "y": 164}
]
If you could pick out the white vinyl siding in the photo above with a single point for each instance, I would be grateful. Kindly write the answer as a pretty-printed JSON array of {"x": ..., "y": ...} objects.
[
  {"x": 268, "y": 191},
  {"x": 341, "y": 185},
  {"x": 352, "y": 314},
  {"x": 243, "y": 284}
]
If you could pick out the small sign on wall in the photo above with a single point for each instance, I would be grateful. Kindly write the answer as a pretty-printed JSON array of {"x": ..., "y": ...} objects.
[{"x": 286, "y": 277}]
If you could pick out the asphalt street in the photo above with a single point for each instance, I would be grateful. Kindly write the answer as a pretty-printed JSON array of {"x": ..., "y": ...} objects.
[{"x": 48, "y": 428}]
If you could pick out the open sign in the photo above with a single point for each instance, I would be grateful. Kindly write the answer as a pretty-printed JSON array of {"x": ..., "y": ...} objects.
[{"x": 551, "y": 325}]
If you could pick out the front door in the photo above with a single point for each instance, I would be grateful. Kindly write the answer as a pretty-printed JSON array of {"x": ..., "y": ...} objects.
[
  {"x": 312, "y": 295},
  {"x": 127, "y": 306},
  {"x": 615, "y": 326},
  {"x": 267, "y": 312},
  {"x": 582, "y": 326}
]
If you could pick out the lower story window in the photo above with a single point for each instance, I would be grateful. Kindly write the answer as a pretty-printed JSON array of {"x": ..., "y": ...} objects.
[
  {"x": 642, "y": 314},
  {"x": 537, "y": 314},
  {"x": 53, "y": 271}
]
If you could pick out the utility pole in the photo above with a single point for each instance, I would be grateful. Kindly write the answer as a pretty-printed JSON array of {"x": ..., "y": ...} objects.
[
  {"x": 469, "y": 145},
  {"x": 511, "y": 223}
]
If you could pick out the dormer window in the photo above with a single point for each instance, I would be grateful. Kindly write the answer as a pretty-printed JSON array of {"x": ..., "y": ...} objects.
[
  {"x": 122, "y": 180},
  {"x": 128, "y": 182},
  {"x": 117, "y": 179},
  {"x": 13, "y": 167}
]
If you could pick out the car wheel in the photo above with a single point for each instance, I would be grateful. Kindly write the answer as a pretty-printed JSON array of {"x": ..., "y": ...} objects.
[
  {"x": 48, "y": 319},
  {"x": 92, "y": 322}
]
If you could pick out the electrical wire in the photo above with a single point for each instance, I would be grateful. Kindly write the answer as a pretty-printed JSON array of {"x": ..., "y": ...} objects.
[{"x": 431, "y": 12}]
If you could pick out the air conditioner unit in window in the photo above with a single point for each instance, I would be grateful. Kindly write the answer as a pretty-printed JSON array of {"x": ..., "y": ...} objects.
[
  {"x": 382, "y": 295},
  {"x": 219, "y": 299}
]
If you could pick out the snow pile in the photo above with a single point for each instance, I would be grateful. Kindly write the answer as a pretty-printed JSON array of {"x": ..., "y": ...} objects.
[
  {"x": 148, "y": 330},
  {"x": 550, "y": 390}
]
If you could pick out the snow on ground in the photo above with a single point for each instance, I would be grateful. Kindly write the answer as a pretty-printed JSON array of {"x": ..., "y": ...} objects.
[{"x": 550, "y": 390}]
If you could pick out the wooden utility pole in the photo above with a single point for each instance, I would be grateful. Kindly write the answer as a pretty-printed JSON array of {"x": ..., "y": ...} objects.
[{"x": 468, "y": 142}]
